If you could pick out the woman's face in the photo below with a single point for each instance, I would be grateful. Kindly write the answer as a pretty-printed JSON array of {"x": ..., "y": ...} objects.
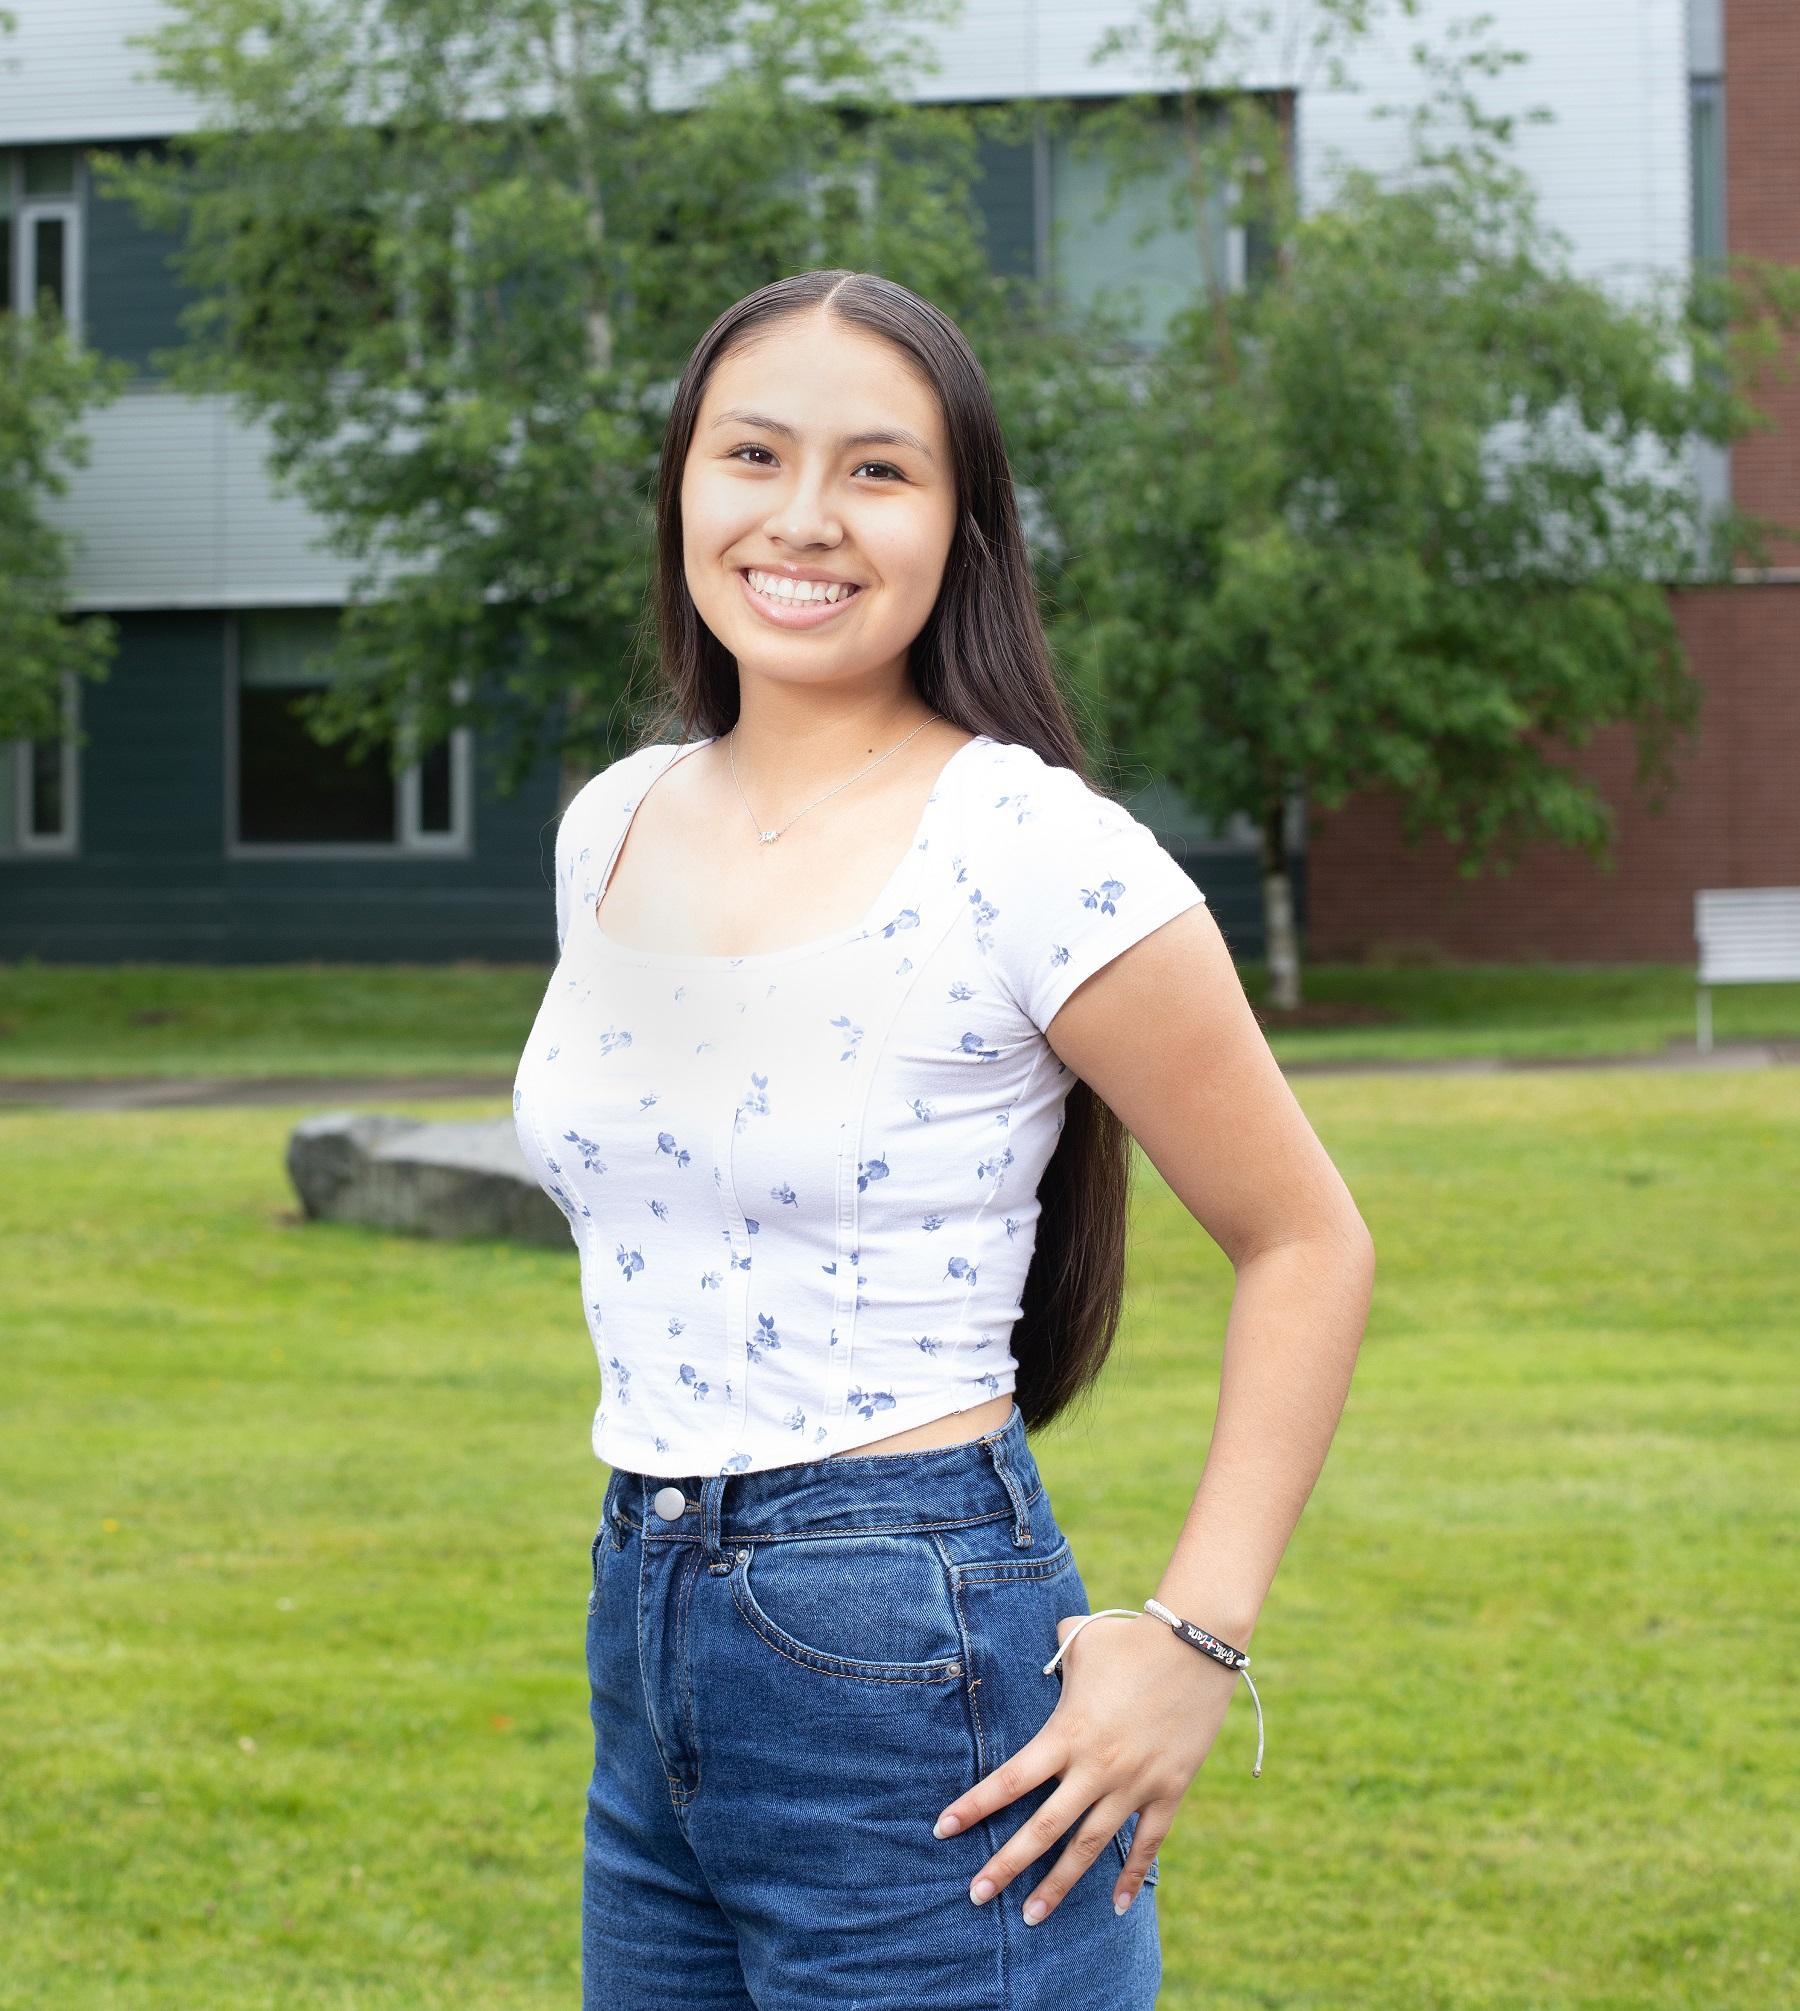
[{"x": 779, "y": 485}]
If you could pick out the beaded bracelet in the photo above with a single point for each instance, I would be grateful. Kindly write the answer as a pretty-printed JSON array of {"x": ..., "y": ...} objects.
[{"x": 1195, "y": 1637}]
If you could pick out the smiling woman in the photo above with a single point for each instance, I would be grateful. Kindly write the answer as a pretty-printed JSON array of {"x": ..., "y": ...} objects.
[
  {"x": 778, "y": 491},
  {"x": 858, "y": 975}
]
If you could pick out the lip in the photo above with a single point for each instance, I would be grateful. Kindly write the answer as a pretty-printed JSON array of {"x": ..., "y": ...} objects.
[{"x": 810, "y": 614}]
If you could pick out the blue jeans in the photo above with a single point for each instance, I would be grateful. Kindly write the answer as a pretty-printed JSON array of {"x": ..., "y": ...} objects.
[{"x": 791, "y": 1676}]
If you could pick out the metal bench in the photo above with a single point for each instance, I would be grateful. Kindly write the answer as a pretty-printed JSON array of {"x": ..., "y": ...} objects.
[{"x": 1747, "y": 936}]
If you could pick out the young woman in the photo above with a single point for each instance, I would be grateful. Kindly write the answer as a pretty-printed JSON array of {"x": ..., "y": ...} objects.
[{"x": 863, "y": 991}]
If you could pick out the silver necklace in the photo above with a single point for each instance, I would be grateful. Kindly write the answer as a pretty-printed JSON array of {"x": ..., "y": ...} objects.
[{"x": 769, "y": 837}]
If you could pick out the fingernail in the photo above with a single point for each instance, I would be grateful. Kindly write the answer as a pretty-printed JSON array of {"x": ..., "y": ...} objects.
[
  {"x": 982, "y": 1890},
  {"x": 1123, "y": 1901},
  {"x": 946, "y": 1825},
  {"x": 1035, "y": 1909}
]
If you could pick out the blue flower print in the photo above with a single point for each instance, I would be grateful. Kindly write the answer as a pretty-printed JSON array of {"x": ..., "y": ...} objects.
[
  {"x": 518, "y": 1098},
  {"x": 870, "y": 1169},
  {"x": 738, "y": 1263},
  {"x": 852, "y": 1033},
  {"x": 680, "y": 993},
  {"x": 766, "y": 1337},
  {"x": 1012, "y": 1228},
  {"x": 736, "y": 1463},
  {"x": 960, "y": 991},
  {"x": 660, "y": 1209},
  {"x": 1019, "y": 798},
  {"x": 665, "y": 1142},
  {"x": 972, "y": 1043},
  {"x": 562, "y": 1200},
  {"x": 621, "y": 1380},
  {"x": 993, "y": 1169},
  {"x": 984, "y": 915},
  {"x": 630, "y": 1262},
  {"x": 690, "y": 1375},
  {"x": 785, "y": 1195},
  {"x": 591, "y": 1162},
  {"x": 662, "y": 1444},
  {"x": 677, "y": 1325},
  {"x": 907, "y": 918},
  {"x": 754, "y": 1102},
  {"x": 649, "y": 1097},
  {"x": 795, "y": 1419},
  {"x": 928, "y": 1344},
  {"x": 960, "y": 1267},
  {"x": 610, "y": 1040},
  {"x": 920, "y": 1109},
  {"x": 554, "y": 1052},
  {"x": 933, "y": 1221},
  {"x": 710, "y": 1280},
  {"x": 990, "y": 1383},
  {"x": 870, "y": 1401},
  {"x": 1106, "y": 899},
  {"x": 751, "y": 1225}
]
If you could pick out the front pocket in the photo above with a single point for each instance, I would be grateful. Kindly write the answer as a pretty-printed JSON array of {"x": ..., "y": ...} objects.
[
  {"x": 600, "y": 1543},
  {"x": 874, "y": 1609}
]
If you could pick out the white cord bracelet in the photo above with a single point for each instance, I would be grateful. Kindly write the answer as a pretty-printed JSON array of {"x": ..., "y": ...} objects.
[{"x": 1196, "y": 1637}]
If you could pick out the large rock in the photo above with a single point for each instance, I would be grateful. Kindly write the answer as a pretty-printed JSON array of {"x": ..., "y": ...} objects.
[{"x": 430, "y": 1179}]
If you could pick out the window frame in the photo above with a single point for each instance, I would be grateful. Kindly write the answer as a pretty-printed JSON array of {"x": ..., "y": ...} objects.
[
  {"x": 25, "y": 212},
  {"x": 23, "y": 841},
  {"x": 409, "y": 841}
]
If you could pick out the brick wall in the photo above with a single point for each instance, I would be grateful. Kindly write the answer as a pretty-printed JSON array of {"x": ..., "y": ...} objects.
[
  {"x": 1732, "y": 819},
  {"x": 1762, "y": 220}
]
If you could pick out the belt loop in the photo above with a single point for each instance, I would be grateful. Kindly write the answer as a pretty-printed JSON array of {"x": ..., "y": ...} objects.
[
  {"x": 712, "y": 1492},
  {"x": 997, "y": 1451}
]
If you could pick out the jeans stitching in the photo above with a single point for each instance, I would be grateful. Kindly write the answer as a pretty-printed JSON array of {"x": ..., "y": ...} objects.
[{"x": 844, "y": 1667}]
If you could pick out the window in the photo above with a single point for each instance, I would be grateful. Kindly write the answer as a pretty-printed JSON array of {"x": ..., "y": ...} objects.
[
  {"x": 292, "y": 794},
  {"x": 1706, "y": 162},
  {"x": 38, "y": 789},
  {"x": 40, "y": 232},
  {"x": 1046, "y": 213}
]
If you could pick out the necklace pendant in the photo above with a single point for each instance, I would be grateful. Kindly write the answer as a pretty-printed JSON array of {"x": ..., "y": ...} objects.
[{"x": 769, "y": 837}]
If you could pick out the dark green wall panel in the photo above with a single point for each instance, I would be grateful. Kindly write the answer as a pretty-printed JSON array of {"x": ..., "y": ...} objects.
[{"x": 133, "y": 297}]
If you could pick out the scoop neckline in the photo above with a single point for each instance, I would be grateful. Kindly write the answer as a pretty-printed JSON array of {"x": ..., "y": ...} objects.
[{"x": 624, "y": 953}]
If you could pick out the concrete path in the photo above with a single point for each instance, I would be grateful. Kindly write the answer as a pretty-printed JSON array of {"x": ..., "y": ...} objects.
[{"x": 181, "y": 1092}]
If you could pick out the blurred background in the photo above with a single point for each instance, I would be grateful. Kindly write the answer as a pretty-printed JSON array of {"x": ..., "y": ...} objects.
[{"x": 1402, "y": 401}]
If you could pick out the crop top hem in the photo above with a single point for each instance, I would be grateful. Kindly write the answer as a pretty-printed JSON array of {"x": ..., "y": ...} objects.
[{"x": 618, "y": 1445}]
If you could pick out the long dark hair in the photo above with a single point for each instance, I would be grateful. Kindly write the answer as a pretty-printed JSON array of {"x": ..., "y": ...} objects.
[{"x": 981, "y": 661}]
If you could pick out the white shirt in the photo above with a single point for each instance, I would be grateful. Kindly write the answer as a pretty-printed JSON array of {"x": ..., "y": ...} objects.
[{"x": 803, "y": 1183}]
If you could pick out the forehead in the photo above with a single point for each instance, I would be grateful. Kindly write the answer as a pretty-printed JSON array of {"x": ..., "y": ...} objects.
[{"x": 820, "y": 375}]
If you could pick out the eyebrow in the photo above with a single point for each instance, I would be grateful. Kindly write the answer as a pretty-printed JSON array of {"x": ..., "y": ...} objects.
[{"x": 894, "y": 437}]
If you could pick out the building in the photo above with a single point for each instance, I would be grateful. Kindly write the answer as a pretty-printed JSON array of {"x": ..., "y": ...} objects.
[{"x": 200, "y": 823}]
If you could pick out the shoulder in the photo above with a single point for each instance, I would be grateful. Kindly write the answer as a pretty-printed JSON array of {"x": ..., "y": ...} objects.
[
  {"x": 613, "y": 791},
  {"x": 1019, "y": 805}
]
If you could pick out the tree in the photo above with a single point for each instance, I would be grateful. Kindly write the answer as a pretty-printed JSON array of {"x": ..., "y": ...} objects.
[
  {"x": 454, "y": 253},
  {"x": 46, "y": 382},
  {"x": 1402, "y": 511}
]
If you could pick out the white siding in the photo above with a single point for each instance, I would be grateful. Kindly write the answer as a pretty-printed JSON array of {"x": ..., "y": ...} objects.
[{"x": 176, "y": 509}]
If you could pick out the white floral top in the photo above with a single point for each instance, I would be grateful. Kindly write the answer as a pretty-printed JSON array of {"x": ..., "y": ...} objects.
[{"x": 803, "y": 1183}]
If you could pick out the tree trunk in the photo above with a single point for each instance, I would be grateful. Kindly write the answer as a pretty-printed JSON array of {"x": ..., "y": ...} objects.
[{"x": 1278, "y": 911}]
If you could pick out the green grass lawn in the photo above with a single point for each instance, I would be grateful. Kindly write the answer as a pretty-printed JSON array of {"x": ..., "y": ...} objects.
[
  {"x": 293, "y": 1569},
  {"x": 319, "y": 1019}
]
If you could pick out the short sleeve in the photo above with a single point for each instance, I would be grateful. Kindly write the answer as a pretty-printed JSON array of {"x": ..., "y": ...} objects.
[
  {"x": 1075, "y": 879},
  {"x": 596, "y": 817}
]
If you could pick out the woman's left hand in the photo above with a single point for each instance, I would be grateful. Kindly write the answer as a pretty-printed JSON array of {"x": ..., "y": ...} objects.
[{"x": 1137, "y": 1717}]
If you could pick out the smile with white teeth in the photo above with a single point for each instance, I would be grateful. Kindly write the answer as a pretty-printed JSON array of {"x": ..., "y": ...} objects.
[{"x": 777, "y": 587}]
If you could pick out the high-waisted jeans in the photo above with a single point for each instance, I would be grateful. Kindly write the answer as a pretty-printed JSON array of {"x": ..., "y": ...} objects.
[{"x": 792, "y": 1674}]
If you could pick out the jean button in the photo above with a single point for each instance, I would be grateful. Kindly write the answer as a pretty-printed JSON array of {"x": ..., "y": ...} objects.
[{"x": 669, "y": 1503}]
